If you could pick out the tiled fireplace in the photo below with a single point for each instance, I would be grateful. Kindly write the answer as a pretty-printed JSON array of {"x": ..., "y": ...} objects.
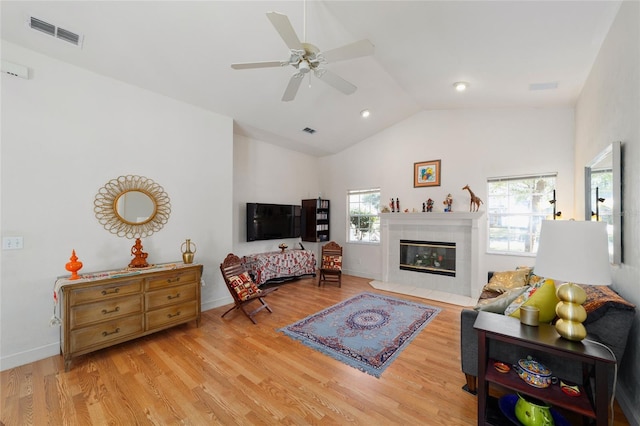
[{"x": 432, "y": 237}]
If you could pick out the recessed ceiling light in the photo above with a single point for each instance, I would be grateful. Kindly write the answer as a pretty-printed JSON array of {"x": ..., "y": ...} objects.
[
  {"x": 461, "y": 86},
  {"x": 365, "y": 113}
]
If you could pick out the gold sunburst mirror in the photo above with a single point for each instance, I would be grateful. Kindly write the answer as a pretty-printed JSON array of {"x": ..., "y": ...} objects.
[{"x": 132, "y": 206}]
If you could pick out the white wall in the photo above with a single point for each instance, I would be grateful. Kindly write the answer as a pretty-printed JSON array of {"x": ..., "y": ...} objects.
[
  {"x": 472, "y": 144},
  {"x": 608, "y": 110},
  {"x": 265, "y": 173},
  {"x": 65, "y": 133}
]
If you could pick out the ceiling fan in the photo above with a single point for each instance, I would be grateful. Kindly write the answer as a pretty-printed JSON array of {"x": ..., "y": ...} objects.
[{"x": 305, "y": 57}]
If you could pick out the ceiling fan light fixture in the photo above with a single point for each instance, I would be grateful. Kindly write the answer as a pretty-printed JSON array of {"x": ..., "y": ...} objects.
[
  {"x": 303, "y": 67},
  {"x": 461, "y": 86}
]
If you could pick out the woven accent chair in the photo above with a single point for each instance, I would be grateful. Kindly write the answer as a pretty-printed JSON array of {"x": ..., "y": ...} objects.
[
  {"x": 242, "y": 288},
  {"x": 331, "y": 264}
]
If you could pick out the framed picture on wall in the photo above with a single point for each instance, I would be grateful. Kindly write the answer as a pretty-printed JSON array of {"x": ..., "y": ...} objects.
[{"x": 426, "y": 173}]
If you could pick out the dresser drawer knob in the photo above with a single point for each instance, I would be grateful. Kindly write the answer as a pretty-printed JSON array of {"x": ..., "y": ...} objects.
[
  {"x": 114, "y": 291},
  {"x": 173, "y": 315},
  {"x": 173, "y": 297},
  {"x": 173, "y": 280},
  {"x": 105, "y": 312},
  {"x": 105, "y": 333}
]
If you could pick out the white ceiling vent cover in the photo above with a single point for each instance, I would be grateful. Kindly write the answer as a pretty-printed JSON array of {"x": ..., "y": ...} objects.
[{"x": 57, "y": 32}]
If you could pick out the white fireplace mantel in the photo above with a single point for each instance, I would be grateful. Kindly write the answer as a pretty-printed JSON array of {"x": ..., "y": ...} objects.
[
  {"x": 439, "y": 217},
  {"x": 465, "y": 228}
]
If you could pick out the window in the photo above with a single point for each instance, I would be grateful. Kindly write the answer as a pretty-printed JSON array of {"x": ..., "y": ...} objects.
[
  {"x": 516, "y": 207},
  {"x": 364, "y": 216}
]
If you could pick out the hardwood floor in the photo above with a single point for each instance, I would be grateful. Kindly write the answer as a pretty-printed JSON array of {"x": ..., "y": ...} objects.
[{"x": 230, "y": 371}]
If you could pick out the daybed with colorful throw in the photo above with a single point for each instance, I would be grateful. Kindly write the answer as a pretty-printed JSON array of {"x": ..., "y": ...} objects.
[{"x": 609, "y": 319}]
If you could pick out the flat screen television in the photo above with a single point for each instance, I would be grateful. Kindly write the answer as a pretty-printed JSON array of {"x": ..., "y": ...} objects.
[{"x": 272, "y": 221}]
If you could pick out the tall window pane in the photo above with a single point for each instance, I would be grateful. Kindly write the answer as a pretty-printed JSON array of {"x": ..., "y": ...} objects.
[
  {"x": 516, "y": 208},
  {"x": 363, "y": 225}
]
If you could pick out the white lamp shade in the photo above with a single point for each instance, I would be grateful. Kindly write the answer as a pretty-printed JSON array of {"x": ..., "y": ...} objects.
[{"x": 574, "y": 251}]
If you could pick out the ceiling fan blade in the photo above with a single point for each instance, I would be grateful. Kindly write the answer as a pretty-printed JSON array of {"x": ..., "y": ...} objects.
[
  {"x": 268, "y": 64},
  {"x": 336, "y": 81},
  {"x": 282, "y": 24},
  {"x": 292, "y": 88},
  {"x": 349, "y": 51}
]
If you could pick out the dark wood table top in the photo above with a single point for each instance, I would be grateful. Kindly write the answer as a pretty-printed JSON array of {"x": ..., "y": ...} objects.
[{"x": 545, "y": 335}]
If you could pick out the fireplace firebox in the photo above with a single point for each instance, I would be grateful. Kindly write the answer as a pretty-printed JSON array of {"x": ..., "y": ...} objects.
[{"x": 431, "y": 257}]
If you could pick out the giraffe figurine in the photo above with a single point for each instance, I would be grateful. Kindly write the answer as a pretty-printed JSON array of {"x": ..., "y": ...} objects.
[{"x": 474, "y": 205}]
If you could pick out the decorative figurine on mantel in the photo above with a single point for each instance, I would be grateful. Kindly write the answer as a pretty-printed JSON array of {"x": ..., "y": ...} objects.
[
  {"x": 392, "y": 204},
  {"x": 139, "y": 257},
  {"x": 429, "y": 205},
  {"x": 448, "y": 202},
  {"x": 474, "y": 205}
]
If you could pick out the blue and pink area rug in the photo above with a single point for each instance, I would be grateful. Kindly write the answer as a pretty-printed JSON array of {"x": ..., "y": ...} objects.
[{"x": 367, "y": 331}]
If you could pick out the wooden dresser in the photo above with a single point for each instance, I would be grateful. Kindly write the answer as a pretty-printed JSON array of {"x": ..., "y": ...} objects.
[{"x": 104, "y": 309}]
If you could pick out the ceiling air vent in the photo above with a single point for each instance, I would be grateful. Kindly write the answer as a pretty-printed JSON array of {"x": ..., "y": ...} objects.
[
  {"x": 57, "y": 32},
  {"x": 544, "y": 86},
  {"x": 309, "y": 130},
  {"x": 68, "y": 36},
  {"x": 45, "y": 27}
]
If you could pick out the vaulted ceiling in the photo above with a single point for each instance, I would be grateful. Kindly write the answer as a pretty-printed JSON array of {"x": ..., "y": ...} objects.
[{"x": 513, "y": 54}]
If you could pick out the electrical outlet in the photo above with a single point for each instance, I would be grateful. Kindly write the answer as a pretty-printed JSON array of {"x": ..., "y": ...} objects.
[{"x": 12, "y": 243}]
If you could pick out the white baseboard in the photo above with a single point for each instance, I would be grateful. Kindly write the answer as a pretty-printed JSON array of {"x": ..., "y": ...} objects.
[
  {"x": 361, "y": 274},
  {"x": 216, "y": 303},
  {"x": 42, "y": 352},
  {"x": 627, "y": 404},
  {"x": 32, "y": 355}
]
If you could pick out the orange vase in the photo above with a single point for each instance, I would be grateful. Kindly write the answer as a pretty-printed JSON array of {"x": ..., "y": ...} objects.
[{"x": 73, "y": 266}]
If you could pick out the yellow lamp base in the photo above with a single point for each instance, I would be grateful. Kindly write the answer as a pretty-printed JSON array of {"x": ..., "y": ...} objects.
[{"x": 571, "y": 312}]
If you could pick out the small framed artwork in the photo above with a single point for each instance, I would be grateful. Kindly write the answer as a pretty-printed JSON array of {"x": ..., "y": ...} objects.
[{"x": 426, "y": 173}]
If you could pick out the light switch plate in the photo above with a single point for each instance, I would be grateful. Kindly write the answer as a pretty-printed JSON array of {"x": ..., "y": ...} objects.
[{"x": 12, "y": 243}]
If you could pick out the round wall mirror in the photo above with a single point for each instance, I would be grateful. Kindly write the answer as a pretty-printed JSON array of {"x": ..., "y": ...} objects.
[
  {"x": 132, "y": 206},
  {"x": 135, "y": 207}
]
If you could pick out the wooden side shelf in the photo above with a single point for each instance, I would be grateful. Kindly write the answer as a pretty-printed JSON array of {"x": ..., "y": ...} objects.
[
  {"x": 544, "y": 338},
  {"x": 553, "y": 395},
  {"x": 315, "y": 220}
]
